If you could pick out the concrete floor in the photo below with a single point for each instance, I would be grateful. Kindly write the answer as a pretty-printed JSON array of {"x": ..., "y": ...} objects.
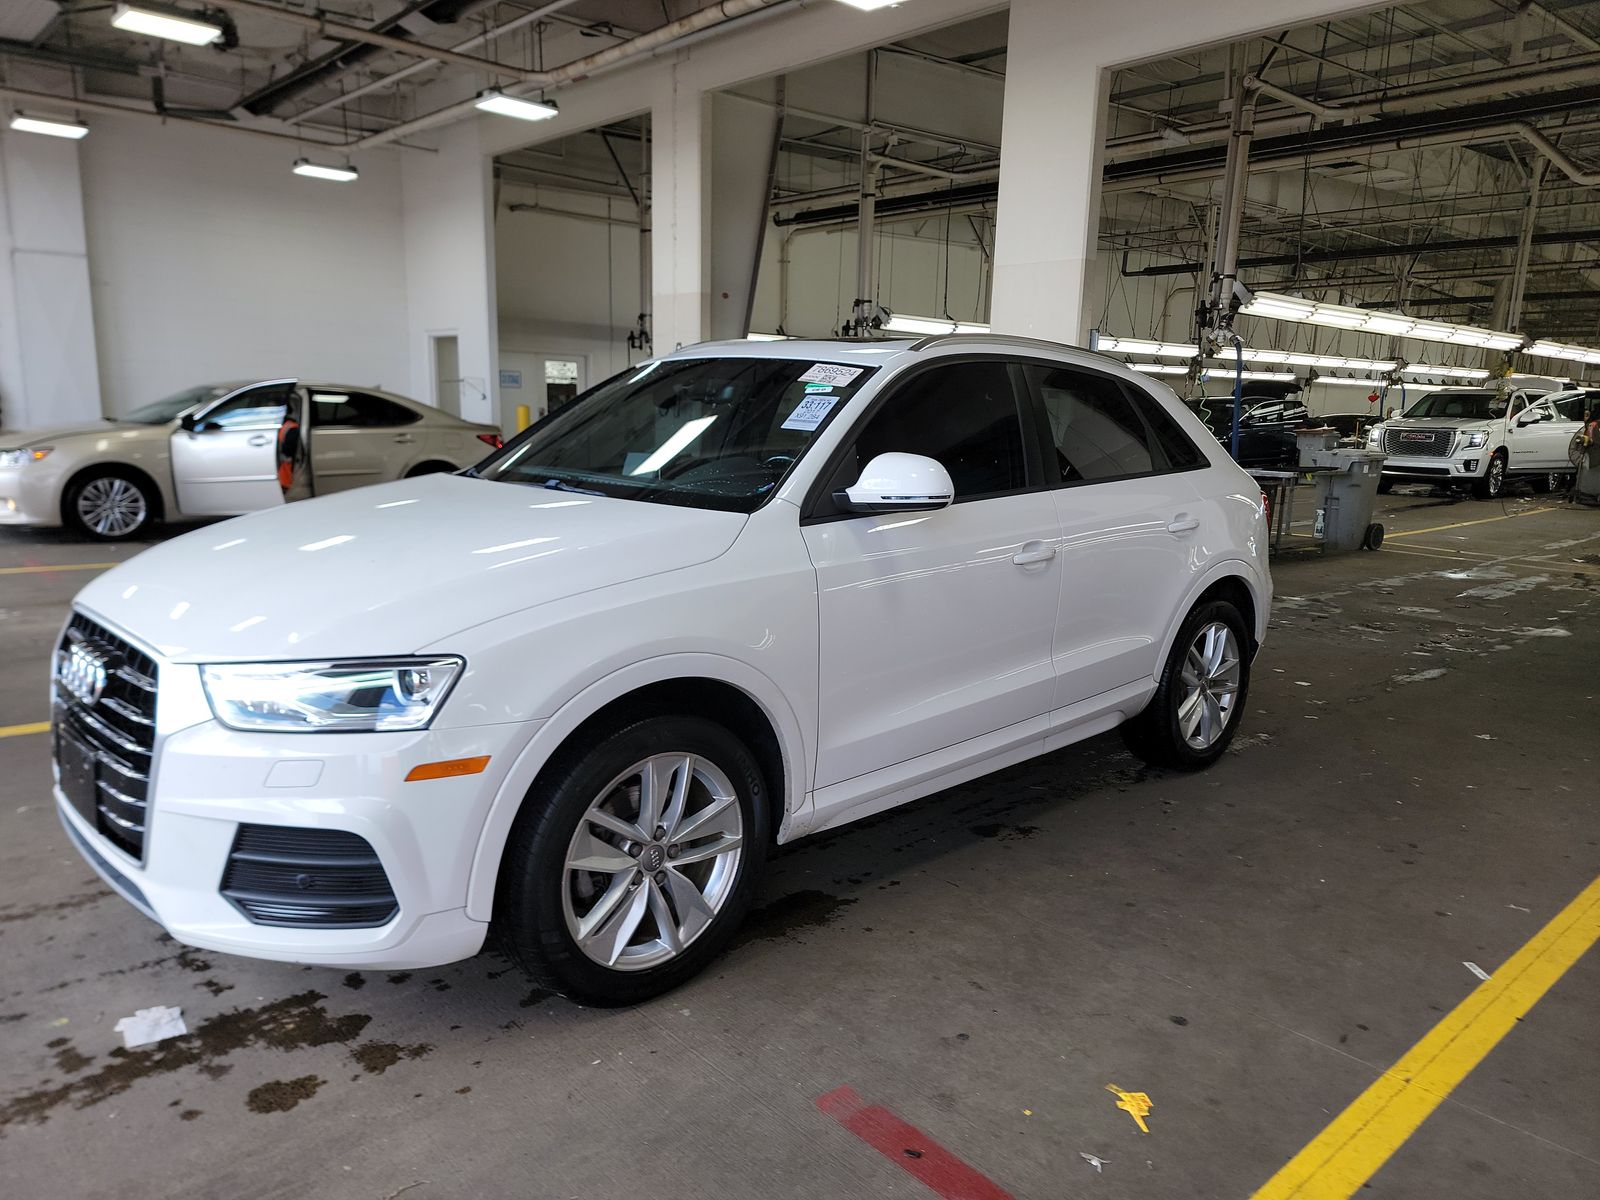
[{"x": 1417, "y": 784}]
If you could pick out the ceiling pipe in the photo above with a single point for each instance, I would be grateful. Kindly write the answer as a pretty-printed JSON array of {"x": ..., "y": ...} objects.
[
  {"x": 1324, "y": 112},
  {"x": 1576, "y": 69},
  {"x": 965, "y": 175},
  {"x": 339, "y": 31},
  {"x": 1558, "y": 158},
  {"x": 488, "y": 35},
  {"x": 96, "y": 104},
  {"x": 675, "y": 34}
]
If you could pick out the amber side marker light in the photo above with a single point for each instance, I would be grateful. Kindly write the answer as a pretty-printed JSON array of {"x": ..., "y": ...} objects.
[{"x": 450, "y": 768}]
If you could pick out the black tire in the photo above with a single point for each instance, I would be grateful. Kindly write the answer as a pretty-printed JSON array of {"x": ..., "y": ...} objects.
[
  {"x": 430, "y": 468},
  {"x": 534, "y": 893},
  {"x": 1493, "y": 484},
  {"x": 1385, "y": 486},
  {"x": 110, "y": 504},
  {"x": 1155, "y": 734}
]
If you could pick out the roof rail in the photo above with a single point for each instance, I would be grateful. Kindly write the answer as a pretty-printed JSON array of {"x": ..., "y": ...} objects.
[{"x": 982, "y": 339}]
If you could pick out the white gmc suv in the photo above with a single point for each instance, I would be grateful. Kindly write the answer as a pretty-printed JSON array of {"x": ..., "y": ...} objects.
[
  {"x": 1480, "y": 438},
  {"x": 733, "y": 596}
]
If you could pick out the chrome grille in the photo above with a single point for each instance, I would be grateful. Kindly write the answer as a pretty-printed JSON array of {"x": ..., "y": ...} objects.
[
  {"x": 117, "y": 732},
  {"x": 1418, "y": 443}
]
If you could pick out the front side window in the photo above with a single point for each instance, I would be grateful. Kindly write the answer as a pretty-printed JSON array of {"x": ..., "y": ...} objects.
[
  {"x": 1095, "y": 430},
  {"x": 258, "y": 408},
  {"x": 705, "y": 432}
]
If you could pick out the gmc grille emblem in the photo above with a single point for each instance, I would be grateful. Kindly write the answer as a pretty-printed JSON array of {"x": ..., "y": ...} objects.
[
  {"x": 1416, "y": 437},
  {"x": 82, "y": 670}
]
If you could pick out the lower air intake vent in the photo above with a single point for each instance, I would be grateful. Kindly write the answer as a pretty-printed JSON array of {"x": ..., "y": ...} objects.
[{"x": 307, "y": 878}]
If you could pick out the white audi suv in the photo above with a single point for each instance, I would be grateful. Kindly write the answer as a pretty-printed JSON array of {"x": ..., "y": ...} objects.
[{"x": 733, "y": 596}]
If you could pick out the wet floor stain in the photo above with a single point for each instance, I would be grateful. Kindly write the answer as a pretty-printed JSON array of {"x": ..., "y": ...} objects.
[
  {"x": 1000, "y": 831},
  {"x": 791, "y": 914},
  {"x": 293, "y": 1023},
  {"x": 355, "y": 981},
  {"x": 69, "y": 1060},
  {"x": 536, "y": 996},
  {"x": 27, "y": 912},
  {"x": 282, "y": 1094},
  {"x": 377, "y": 1057}
]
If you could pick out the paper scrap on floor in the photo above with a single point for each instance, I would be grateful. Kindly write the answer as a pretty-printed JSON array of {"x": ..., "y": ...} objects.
[{"x": 151, "y": 1025}]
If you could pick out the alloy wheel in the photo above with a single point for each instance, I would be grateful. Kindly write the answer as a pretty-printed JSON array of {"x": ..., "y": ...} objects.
[
  {"x": 1497, "y": 475},
  {"x": 652, "y": 862},
  {"x": 1210, "y": 679},
  {"x": 112, "y": 507}
]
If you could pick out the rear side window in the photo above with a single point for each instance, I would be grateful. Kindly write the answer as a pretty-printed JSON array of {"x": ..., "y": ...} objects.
[
  {"x": 1095, "y": 430},
  {"x": 358, "y": 409},
  {"x": 1181, "y": 454}
]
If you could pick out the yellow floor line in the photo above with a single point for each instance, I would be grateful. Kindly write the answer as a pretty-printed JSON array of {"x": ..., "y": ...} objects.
[
  {"x": 45, "y": 570},
  {"x": 1480, "y": 521},
  {"x": 18, "y": 730},
  {"x": 1341, "y": 1158}
]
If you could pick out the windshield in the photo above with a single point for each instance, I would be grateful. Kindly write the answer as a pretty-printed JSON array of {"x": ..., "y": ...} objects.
[
  {"x": 706, "y": 432},
  {"x": 1476, "y": 406},
  {"x": 175, "y": 405}
]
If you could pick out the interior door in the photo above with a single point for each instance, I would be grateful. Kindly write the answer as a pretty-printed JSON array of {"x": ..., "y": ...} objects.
[
  {"x": 935, "y": 627},
  {"x": 226, "y": 463},
  {"x": 358, "y": 439},
  {"x": 1130, "y": 526}
]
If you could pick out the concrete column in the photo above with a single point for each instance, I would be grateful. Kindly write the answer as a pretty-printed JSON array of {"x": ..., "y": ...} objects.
[
  {"x": 680, "y": 209},
  {"x": 1048, "y": 216},
  {"x": 742, "y": 153},
  {"x": 448, "y": 205},
  {"x": 49, "y": 368}
]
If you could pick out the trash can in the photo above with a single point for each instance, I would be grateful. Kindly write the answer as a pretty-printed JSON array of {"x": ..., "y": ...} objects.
[{"x": 1347, "y": 492}]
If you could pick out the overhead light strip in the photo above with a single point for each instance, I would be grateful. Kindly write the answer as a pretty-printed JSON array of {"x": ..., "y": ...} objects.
[
  {"x": 173, "y": 25},
  {"x": 344, "y": 174},
  {"x": 931, "y": 326},
  {"x": 49, "y": 126},
  {"x": 1287, "y": 358},
  {"x": 1279, "y": 307}
]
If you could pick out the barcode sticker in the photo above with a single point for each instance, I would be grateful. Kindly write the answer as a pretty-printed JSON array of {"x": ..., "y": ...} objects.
[
  {"x": 809, "y": 413},
  {"x": 831, "y": 373}
]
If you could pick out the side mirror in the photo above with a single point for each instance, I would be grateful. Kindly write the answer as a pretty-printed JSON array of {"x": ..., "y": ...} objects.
[
  {"x": 894, "y": 483},
  {"x": 187, "y": 423}
]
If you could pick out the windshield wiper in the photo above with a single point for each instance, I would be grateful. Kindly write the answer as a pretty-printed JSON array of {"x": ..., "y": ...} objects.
[{"x": 561, "y": 485}]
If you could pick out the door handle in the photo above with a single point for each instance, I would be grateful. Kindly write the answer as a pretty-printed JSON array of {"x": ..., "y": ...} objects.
[
  {"x": 260, "y": 439},
  {"x": 404, "y": 437},
  {"x": 1033, "y": 552},
  {"x": 1183, "y": 523}
]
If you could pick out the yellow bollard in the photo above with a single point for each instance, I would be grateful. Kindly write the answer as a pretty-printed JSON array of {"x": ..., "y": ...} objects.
[{"x": 524, "y": 417}]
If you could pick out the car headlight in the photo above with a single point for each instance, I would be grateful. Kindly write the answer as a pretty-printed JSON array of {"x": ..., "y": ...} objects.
[
  {"x": 1476, "y": 439},
  {"x": 370, "y": 696},
  {"x": 16, "y": 458},
  {"x": 1375, "y": 435}
]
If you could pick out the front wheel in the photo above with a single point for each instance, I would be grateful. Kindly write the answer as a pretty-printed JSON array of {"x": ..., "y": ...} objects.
[
  {"x": 630, "y": 868},
  {"x": 1201, "y": 695},
  {"x": 1493, "y": 484},
  {"x": 109, "y": 506}
]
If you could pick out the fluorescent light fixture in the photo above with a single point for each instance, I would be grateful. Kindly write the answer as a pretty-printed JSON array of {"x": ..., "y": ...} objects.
[
  {"x": 929, "y": 326},
  {"x": 1159, "y": 368},
  {"x": 496, "y": 101},
  {"x": 1451, "y": 372},
  {"x": 674, "y": 445},
  {"x": 1583, "y": 354},
  {"x": 870, "y": 5},
  {"x": 49, "y": 126},
  {"x": 173, "y": 26},
  {"x": 1361, "y": 320},
  {"x": 766, "y": 337},
  {"x": 1220, "y": 373},
  {"x": 1113, "y": 345},
  {"x": 1343, "y": 382},
  {"x": 304, "y": 166}
]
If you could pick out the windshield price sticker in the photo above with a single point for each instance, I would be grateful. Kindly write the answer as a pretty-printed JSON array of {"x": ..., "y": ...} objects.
[
  {"x": 808, "y": 414},
  {"x": 830, "y": 374}
]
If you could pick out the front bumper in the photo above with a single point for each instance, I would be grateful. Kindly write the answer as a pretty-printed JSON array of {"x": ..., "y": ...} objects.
[
  {"x": 1468, "y": 465},
  {"x": 30, "y": 495},
  {"x": 207, "y": 780}
]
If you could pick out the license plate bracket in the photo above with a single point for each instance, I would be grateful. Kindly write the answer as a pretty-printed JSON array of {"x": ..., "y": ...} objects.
[{"x": 76, "y": 764}]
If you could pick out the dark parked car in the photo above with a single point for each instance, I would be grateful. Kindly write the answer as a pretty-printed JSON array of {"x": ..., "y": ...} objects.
[{"x": 1266, "y": 437}]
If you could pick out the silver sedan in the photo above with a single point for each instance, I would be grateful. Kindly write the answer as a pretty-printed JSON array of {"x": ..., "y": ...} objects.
[{"x": 224, "y": 449}]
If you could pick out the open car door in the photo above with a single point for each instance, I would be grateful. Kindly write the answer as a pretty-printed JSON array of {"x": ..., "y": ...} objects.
[{"x": 225, "y": 456}]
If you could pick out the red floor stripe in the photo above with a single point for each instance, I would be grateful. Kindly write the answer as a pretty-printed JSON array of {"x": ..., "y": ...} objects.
[{"x": 913, "y": 1151}]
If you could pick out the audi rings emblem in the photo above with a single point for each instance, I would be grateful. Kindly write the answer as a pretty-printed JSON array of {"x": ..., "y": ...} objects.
[{"x": 82, "y": 670}]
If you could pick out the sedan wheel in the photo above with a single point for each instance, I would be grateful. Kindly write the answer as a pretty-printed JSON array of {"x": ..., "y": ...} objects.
[
  {"x": 1210, "y": 685},
  {"x": 652, "y": 862},
  {"x": 109, "y": 507}
]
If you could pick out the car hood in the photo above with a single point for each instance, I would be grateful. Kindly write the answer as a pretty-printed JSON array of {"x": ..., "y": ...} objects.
[
  {"x": 1438, "y": 423},
  {"x": 54, "y": 436},
  {"x": 390, "y": 569}
]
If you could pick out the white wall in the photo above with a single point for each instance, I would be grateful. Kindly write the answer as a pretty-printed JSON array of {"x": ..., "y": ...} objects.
[
  {"x": 47, "y": 344},
  {"x": 565, "y": 285},
  {"x": 210, "y": 260}
]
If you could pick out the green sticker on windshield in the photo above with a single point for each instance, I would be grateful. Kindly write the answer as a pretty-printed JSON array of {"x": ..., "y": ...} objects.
[{"x": 819, "y": 387}]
